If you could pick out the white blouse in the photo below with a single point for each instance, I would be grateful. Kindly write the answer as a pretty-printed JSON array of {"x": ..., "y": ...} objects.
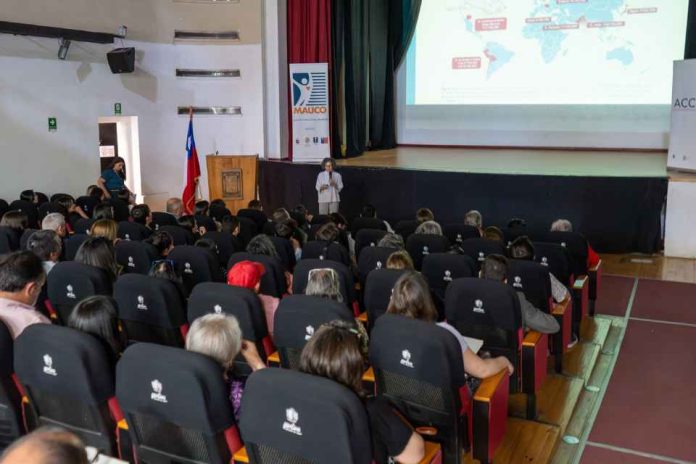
[{"x": 331, "y": 194}]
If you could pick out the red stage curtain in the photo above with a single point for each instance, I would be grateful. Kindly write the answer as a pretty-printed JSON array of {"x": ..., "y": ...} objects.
[{"x": 309, "y": 40}]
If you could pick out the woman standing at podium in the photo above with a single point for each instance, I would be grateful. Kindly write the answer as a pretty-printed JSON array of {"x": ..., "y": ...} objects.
[{"x": 329, "y": 185}]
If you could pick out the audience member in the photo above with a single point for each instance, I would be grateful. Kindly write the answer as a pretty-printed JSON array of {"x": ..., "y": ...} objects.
[
  {"x": 97, "y": 315},
  {"x": 106, "y": 228},
  {"x": 429, "y": 228},
  {"x": 219, "y": 337},
  {"x": 400, "y": 259},
  {"x": 103, "y": 211},
  {"x": 255, "y": 204},
  {"x": 47, "y": 245},
  {"x": 424, "y": 214},
  {"x": 474, "y": 219},
  {"x": 495, "y": 267},
  {"x": 369, "y": 211},
  {"x": 247, "y": 274},
  {"x": 142, "y": 216},
  {"x": 46, "y": 445},
  {"x": 564, "y": 225},
  {"x": 74, "y": 212},
  {"x": 56, "y": 223},
  {"x": 325, "y": 283},
  {"x": 334, "y": 353},
  {"x": 162, "y": 242},
  {"x": 165, "y": 269},
  {"x": 16, "y": 221},
  {"x": 21, "y": 278},
  {"x": 175, "y": 207},
  {"x": 99, "y": 252},
  {"x": 522, "y": 248},
  {"x": 494, "y": 233},
  {"x": 28, "y": 196},
  {"x": 230, "y": 225},
  {"x": 201, "y": 208},
  {"x": 391, "y": 240}
]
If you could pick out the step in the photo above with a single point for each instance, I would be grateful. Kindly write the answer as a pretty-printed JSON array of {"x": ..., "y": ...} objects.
[
  {"x": 580, "y": 360},
  {"x": 595, "y": 330},
  {"x": 525, "y": 442}
]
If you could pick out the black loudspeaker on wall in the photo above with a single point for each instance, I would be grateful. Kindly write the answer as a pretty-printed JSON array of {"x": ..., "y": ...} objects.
[{"x": 121, "y": 60}]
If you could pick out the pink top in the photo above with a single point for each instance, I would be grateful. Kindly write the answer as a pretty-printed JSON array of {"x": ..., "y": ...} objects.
[
  {"x": 270, "y": 304},
  {"x": 18, "y": 316}
]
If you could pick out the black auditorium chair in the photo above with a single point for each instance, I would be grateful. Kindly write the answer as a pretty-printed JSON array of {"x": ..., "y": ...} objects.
[
  {"x": 11, "y": 426},
  {"x": 135, "y": 257},
  {"x": 27, "y": 208},
  {"x": 160, "y": 219},
  {"x": 48, "y": 208},
  {"x": 478, "y": 248},
  {"x": 273, "y": 281},
  {"x": 421, "y": 245},
  {"x": 361, "y": 223},
  {"x": 247, "y": 229},
  {"x": 259, "y": 217},
  {"x": 224, "y": 243},
  {"x": 180, "y": 236},
  {"x": 372, "y": 258},
  {"x": 176, "y": 404},
  {"x": 457, "y": 233},
  {"x": 296, "y": 320},
  {"x": 72, "y": 244},
  {"x": 25, "y": 238},
  {"x": 68, "y": 378},
  {"x": 4, "y": 207},
  {"x": 151, "y": 309},
  {"x": 194, "y": 265},
  {"x": 87, "y": 203},
  {"x": 9, "y": 240},
  {"x": 292, "y": 417},
  {"x": 333, "y": 251},
  {"x": 206, "y": 222},
  {"x": 378, "y": 291},
  {"x": 490, "y": 311},
  {"x": 406, "y": 228},
  {"x": 70, "y": 282},
  {"x": 418, "y": 366},
  {"x": 285, "y": 251},
  {"x": 367, "y": 238},
  {"x": 132, "y": 231},
  {"x": 242, "y": 303},
  {"x": 440, "y": 269},
  {"x": 301, "y": 277},
  {"x": 83, "y": 225}
]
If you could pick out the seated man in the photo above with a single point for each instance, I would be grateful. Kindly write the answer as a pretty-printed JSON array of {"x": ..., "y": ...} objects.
[
  {"x": 175, "y": 207},
  {"x": 474, "y": 219},
  {"x": 47, "y": 445},
  {"x": 21, "y": 278},
  {"x": 47, "y": 245},
  {"x": 564, "y": 225},
  {"x": 522, "y": 248},
  {"x": 495, "y": 267},
  {"x": 369, "y": 211},
  {"x": 142, "y": 216},
  {"x": 56, "y": 223}
]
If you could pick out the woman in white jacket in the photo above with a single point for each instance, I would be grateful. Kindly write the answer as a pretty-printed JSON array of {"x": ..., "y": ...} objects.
[{"x": 329, "y": 185}]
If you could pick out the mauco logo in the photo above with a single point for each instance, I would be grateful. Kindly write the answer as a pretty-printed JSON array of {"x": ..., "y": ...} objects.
[
  {"x": 48, "y": 365},
  {"x": 70, "y": 292},
  {"x": 310, "y": 332},
  {"x": 218, "y": 309},
  {"x": 448, "y": 276},
  {"x": 686, "y": 103},
  {"x": 426, "y": 250},
  {"x": 544, "y": 261},
  {"x": 310, "y": 93},
  {"x": 141, "y": 303},
  {"x": 127, "y": 236},
  {"x": 156, "y": 394},
  {"x": 406, "y": 359},
  {"x": 291, "y": 419},
  {"x": 481, "y": 256},
  {"x": 518, "y": 282},
  {"x": 372, "y": 244},
  {"x": 131, "y": 263},
  {"x": 379, "y": 265},
  {"x": 478, "y": 307},
  {"x": 459, "y": 238},
  {"x": 187, "y": 268}
]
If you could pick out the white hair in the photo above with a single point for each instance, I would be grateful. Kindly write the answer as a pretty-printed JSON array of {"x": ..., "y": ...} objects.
[
  {"x": 473, "y": 218},
  {"x": 324, "y": 282},
  {"x": 562, "y": 225},
  {"x": 53, "y": 221},
  {"x": 217, "y": 336},
  {"x": 429, "y": 227}
]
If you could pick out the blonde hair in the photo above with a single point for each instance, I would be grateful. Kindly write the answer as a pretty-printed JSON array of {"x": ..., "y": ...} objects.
[
  {"x": 324, "y": 282},
  {"x": 400, "y": 260},
  {"x": 106, "y": 228},
  {"x": 217, "y": 336},
  {"x": 561, "y": 225},
  {"x": 429, "y": 227}
]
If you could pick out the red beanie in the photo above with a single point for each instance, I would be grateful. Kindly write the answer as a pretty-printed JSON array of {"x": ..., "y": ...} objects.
[{"x": 245, "y": 274}]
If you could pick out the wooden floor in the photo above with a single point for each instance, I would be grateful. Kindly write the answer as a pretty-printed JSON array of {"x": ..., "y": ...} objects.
[{"x": 651, "y": 267}]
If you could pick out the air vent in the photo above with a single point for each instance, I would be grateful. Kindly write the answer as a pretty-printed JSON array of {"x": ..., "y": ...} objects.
[
  {"x": 208, "y": 73},
  {"x": 192, "y": 35},
  {"x": 214, "y": 110}
]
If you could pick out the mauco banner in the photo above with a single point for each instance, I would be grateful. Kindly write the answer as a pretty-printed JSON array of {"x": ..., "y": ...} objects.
[
  {"x": 682, "y": 139},
  {"x": 309, "y": 87}
]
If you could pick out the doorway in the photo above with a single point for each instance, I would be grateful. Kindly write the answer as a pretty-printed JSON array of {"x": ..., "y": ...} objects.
[{"x": 119, "y": 136}]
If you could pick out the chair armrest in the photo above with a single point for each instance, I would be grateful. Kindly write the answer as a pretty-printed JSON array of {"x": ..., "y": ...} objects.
[
  {"x": 369, "y": 375},
  {"x": 273, "y": 359},
  {"x": 581, "y": 294},
  {"x": 596, "y": 267},
  {"x": 489, "y": 415},
  {"x": 595, "y": 274},
  {"x": 563, "y": 313},
  {"x": 240, "y": 456},
  {"x": 363, "y": 317},
  {"x": 535, "y": 346}
]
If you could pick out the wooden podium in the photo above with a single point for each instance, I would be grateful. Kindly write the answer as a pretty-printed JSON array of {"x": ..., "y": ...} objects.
[{"x": 232, "y": 178}]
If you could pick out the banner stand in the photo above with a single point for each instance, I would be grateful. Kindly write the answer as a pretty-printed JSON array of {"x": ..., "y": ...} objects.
[{"x": 309, "y": 88}]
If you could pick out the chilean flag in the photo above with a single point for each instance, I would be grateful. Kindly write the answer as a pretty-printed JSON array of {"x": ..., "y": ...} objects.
[{"x": 193, "y": 171}]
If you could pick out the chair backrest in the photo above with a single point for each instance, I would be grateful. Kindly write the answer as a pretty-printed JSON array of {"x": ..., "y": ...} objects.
[
  {"x": 259, "y": 217},
  {"x": 296, "y": 320},
  {"x": 10, "y": 397},
  {"x": 176, "y": 404},
  {"x": 442, "y": 268},
  {"x": 151, "y": 309},
  {"x": 378, "y": 291},
  {"x": 361, "y": 223},
  {"x": 24, "y": 239},
  {"x": 285, "y": 251},
  {"x": 87, "y": 204},
  {"x": 27, "y": 208},
  {"x": 131, "y": 231},
  {"x": 193, "y": 264},
  {"x": 556, "y": 258},
  {"x": 292, "y": 417},
  {"x": 457, "y": 233},
  {"x": 576, "y": 245},
  {"x": 247, "y": 229},
  {"x": 224, "y": 243},
  {"x": 478, "y": 248},
  {"x": 406, "y": 228},
  {"x": 206, "y": 222},
  {"x": 69, "y": 379},
  {"x": 367, "y": 238},
  {"x": 9, "y": 241},
  {"x": 160, "y": 219},
  {"x": 533, "y": 280},
  {"x": 421, "y": 245},
  {"x": 301, "y": 277},
  {"x": 70, "y": 282},
  {"x": 83, "y": 225},
  {"x": 419, "y": 367},
  {"x": 273, "y": 281},
  {"x": 180, "y": 236},
  {"x": 72, "y": 244},
  {"x": 333, "y": 251},
  {"x": 135, "y": 257},
  {"x": 371, "y": 258}
]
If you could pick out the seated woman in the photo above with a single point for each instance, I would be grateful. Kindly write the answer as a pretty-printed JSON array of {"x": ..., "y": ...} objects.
[
  {"x": 162, "y": 242},
  {"x": 219, "y": 337},
  {"x": 400, "y": 259},
  {"x": 16, "y": 221},
  {"x": 96, "y": 315},
  {"x": 106, "y": 228},
  {"x": 564, "y": 225},
  {"x": 334, "y": 353},
  {"x": 429, "y": 228},
  {"x": 247, "y": 274},
  {"x": 262, "y": 245},
  {"x": 164, "y": 269},
  {"x": 411, "y": 298},
  {"x": 99, "y": 252}
]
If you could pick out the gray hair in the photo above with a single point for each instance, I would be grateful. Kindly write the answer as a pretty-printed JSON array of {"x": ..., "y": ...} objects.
[
  {"x": 391, "y": 240},
  {"x": 48, "y": 444},
  {"x": 175, "y": 206},
  {"x": 324, "y": 282},
  {"x": 562, "y": 225},
  {"x": 217, "y": 336},
  {"x": 43, "y": 243},
  {"x": 53, "y": 221},
  {"x": 473, "y": 218},
  {"x": 429, "y": 227}
]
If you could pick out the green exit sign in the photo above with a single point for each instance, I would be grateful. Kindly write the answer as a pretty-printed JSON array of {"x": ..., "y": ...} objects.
[
  {"x": 117, "y": 108},
  {"x": 52, "y": 124}
]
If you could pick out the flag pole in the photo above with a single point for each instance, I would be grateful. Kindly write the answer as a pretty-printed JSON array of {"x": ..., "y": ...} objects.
[{"x": 196, "y": 191}]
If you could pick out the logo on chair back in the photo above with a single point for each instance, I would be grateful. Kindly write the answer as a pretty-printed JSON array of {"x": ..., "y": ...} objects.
[
  {"x": 563, "y": 244},
  {"x": 70, "y": 292},
  {"x": 290, "y": 424},
  {"x": 379, "y": 265},
  {"x": 544, "y": 261},
  {"x": 156, "y": 394},
  {"x": 481, "y": 256},
  {"x": 127, "y": 236},
  {"x": 372, "y": 244},
  {"x": 156, "y": 226},
  {"x": 518, "y": 282},
  {"x": 448, "y": 276},
  {"x": 426, "y": 250},
  {"x": 141, "y": 303},
  {"x": 459, "y": 238},
  {"x": 218, "y": 309},
  {"x": 187, "y": 268},
  {"x": 406, "y": 359},
  {"x": 478, "y": 307},
  {"x": 130, "y": 262},
  {"x": 310, "y": 332},
  {"x": 48, "y": 365}
]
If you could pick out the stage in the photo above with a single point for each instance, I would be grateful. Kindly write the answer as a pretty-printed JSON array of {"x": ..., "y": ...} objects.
[{"x": 615, "y": 198}]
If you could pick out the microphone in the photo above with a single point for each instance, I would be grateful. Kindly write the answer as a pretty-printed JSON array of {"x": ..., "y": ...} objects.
[{"x": 330, "y": 174}]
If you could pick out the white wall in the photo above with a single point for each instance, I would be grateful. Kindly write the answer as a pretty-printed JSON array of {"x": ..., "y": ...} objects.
[
  {"x": 35, "y": 85},
  {"x": 276, "y": 78},
  {"x": 680, "y": 240}
]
